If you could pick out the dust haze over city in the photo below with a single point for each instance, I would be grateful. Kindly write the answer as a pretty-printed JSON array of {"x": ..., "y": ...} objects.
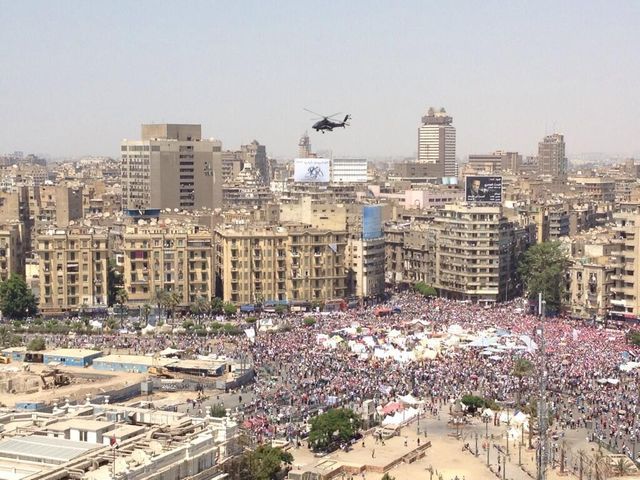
[
  {"x": 319, "y": 241},
  {"x": 507, "y": 73}
]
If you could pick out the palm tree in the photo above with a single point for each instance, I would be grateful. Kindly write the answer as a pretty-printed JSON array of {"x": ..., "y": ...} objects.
[
  {"x": 622, "y": 467},
  {"x": 170, "y": 301},
  {"x": 521, "y": 368},
  {"x": 145, "y": 310},
  {"x": 158, "y": 298},
  {"x": 121, "y": 298},
  {"x": 200, "y": 306}
]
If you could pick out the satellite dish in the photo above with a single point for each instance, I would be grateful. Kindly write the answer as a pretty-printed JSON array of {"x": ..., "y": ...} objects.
[
  {"x": 121, "y": 465},
  {"x": 155, "y": 447},
  {"x": 140, "y": 456}
]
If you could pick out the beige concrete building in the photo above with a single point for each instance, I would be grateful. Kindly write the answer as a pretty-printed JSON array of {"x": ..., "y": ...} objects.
[
  {"x": 625, "y": 300},
  {"x": 170, "y": 258},
  {"x": 600, "y": 189},
  {"x": 73, "y": 269},
  {"x": 57, "y": 205},
  {"x": 291, "y": 262},
  {"x": 552, "y": 160},
  {"x": 476, "y": 253},
  {"x": 12, "y": 254},
  {"x": 172, "y": 166},
  {"x": 592, "y": 274},
  {"x": 365, "y": 252},
  {"x": 420, "y": 254}
]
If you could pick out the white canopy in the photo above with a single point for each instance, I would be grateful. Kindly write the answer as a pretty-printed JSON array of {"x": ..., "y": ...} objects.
[{"x": 410, "y": 400}]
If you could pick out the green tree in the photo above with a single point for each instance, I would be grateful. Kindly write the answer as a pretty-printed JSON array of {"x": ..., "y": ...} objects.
[
  {"x": 200, "y": 306},
  {"x": 543, "y": 268},
  {"x": 170, "y": 302},
  {"x": 473, "y": 402},
  {"x": 633, "y": 337},
  {"x": 16, "y": 298},
  {"x": 145, "y": 311},
  {"x": 623, "y": 467},
  {"x": 280, "y": 309},
  {"x": 114, "y": 282},
  {"x": 309, "y": 321},
  {"x": 229, "y": 309},
  {"x": 425, "y": 290},
  {"x": 335, "y": 425},
  {"x": 521, "y": 368},
  {"x": 122, "y": 296},
  {"x": 217, "y": 306},
  {"x": 265, "y": 462},
  {"x": 7, "y": 337},
  {"x": 231, "y": 329},
  {"x": 386, "y": 476},
  {"x": 37, "y": 344},
  {"x": 218, "y": 411}
]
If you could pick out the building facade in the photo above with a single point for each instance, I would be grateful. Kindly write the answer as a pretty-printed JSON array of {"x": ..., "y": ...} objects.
[
  {"x": 177, "y": 259},
  {"x": 171, "y": 167},
  {"x": 437, "y": 142},
  {"x": 349, "y": 170},
  {"x": 476, "y": 253},
  {"x": 552, "y": 160},
  {"x": 74, "y": 266},
  {"x": 291, "y": 262}
]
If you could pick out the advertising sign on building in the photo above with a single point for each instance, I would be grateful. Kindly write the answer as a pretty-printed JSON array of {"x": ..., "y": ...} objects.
[
  {"x": 315, "y": 170},
  {"x": 483, "y": 189},
  {"x": 371, "y": 222}
]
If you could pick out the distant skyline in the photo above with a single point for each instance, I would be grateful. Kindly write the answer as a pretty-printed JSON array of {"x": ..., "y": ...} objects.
[{"x": 78, "y": 77}]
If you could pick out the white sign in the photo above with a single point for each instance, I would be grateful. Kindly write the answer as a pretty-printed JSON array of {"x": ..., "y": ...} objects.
[{"x": 316, "y": 170}]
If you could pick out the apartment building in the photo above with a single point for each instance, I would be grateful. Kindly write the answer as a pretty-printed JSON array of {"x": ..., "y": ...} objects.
[
  {"x": 592, "y": 274},
  {"x": 290, "y": 262},
  {"x": 420, "y": 254},
  {"x": 476, "y": 253},
  {"x": 73, "y": 266},
  {"x": 394, "y": 272},
  {"x": 625, "y": 290},
  {"x": 12, "y": 254},
  {"x": 170, "y": 258},
  {"x": 57, "y": 205}
]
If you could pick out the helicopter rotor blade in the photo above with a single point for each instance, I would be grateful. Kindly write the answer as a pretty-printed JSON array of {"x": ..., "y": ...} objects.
[
  {"x": 331, "y": 116},
  {"x": 315, "y": 113}
]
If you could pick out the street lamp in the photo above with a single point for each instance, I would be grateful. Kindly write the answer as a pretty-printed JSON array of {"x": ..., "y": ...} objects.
[{"x": 485, "y": 419}]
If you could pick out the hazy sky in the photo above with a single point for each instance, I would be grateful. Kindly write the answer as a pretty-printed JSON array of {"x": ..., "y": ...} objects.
[{"x": 78, "y": 77}]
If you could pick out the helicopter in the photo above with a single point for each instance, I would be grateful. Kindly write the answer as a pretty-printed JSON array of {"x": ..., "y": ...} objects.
[{"x": 326, "y": 124}]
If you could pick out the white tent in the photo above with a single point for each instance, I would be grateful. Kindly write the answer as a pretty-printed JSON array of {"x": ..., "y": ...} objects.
[
  {"x": 401, "y": 417},
  {"x": 410, "y": 400},
  {"x": 455, "y": 329}
]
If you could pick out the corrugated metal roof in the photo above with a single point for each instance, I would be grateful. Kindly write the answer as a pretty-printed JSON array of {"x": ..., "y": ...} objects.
[{"x": 43, "y": 449}]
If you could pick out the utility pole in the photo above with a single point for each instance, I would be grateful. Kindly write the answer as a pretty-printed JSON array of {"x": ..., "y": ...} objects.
[{"x": 542, "y": 450}]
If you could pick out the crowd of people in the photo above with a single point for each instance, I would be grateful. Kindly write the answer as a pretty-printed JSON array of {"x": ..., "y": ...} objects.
[{"x": 297, "y": 375}]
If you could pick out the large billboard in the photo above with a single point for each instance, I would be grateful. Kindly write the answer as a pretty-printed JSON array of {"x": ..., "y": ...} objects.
[
  {"x": 483, "y": 189},
  {"x": 371, "y": 222},
  {"x": 315, "y": 170}
]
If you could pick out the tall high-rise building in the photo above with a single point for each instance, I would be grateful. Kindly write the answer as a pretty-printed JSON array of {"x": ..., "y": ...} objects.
[
  {"x": 551, "y": 157},
  {"x": 171, "y": 167},
  {"x": 304, "y": 147},
  {"x": 437, "y": 143}
]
